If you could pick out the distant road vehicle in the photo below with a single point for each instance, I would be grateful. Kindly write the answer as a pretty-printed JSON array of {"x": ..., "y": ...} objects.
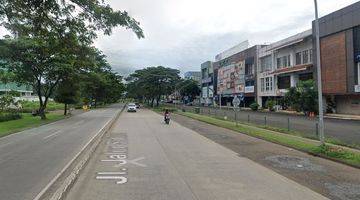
[{"x": 131, "y": 107}]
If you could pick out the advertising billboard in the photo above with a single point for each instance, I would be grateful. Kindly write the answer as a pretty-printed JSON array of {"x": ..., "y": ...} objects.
[{"x": 231, "y": 79}]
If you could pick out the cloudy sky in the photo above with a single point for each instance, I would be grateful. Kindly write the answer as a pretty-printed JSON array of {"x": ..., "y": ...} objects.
[{"x": 185, "y": 33}]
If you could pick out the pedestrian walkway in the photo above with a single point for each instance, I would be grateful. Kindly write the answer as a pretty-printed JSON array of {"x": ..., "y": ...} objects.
[{"x": 142, "y": 158}]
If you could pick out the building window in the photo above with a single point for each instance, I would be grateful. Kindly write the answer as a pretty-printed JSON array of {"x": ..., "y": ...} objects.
[
  {"x": 268, "y": 84},
  {"x": 262, "y": 83},
  {"x": 283, "y": 62},
  {"x": 249, "y": 83},
  {"x": 305, "y": 77},
  {"x": 298, "y": 58},
  {"x": 305, "y": 57},
  {"x": 284, "y": 82},
  {"x": 266, "y": 64},
  {"x": 249, "y": 69}
]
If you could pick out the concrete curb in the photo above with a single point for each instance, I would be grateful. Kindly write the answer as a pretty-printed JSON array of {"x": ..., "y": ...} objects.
[{"x": 74, "y": 167}]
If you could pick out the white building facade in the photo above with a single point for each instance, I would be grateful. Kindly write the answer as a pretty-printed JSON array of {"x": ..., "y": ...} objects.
[{"x": 283, "y": 64}]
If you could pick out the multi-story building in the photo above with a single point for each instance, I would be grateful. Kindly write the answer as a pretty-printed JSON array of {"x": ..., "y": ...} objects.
[
  {"x": 283, "y": 64},
  {"x": 236, "y": 76},
  {"x": 340, "y": 59},
  {"x": 193, "y": 75},
  {"x": 207, "y": 83}
]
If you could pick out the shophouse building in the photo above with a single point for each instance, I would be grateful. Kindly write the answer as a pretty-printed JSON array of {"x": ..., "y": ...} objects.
[
  {"x": 283, "y": 64},
  {"x": 236, "y": 76},
  {"x": 340, "y": 59}
]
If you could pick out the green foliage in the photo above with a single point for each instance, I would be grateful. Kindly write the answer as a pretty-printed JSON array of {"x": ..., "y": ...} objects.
[
  {"x": 254, "y": 106},
  {"x": 29, "y": 106},
  {"x": 9, "y": 116},
  {"x": 54, "y": 40},
  {"x": 303, "y": 97},
  {"x": 188, "y": 88},
  {"x": 151, "y": 83},
  {"x": 6, "y": 101},
  {"x": 270, "y": 104}
]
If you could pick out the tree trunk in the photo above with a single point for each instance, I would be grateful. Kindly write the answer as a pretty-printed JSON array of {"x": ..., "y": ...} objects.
[
  {"x": 42, "y": 112},
  {"x": 158, "y": 100},
  {"x": 152, "y": 102},
  {"x": 65, "y": 109}
]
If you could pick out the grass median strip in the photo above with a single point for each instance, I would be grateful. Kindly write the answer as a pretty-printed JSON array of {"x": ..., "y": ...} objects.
[
  {"x": 27, "y": 121},
  {"x": 334, "y": 152}
]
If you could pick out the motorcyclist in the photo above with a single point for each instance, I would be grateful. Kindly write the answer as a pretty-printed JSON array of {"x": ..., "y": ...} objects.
[{"x": 166, "y": 114}]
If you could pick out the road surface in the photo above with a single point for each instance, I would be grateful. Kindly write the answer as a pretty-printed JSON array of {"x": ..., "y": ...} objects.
[
  {"x": 144, "y": 159},
  {"x": 29, "y": 160}
]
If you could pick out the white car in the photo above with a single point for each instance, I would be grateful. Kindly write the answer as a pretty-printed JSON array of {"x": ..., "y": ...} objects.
[{"x": 131, "y": 107}]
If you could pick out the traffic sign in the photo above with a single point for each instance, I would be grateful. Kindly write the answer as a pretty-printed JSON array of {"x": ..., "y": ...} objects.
[
  {"x": 242, "y": 97},
  {"x": 236, "y": 101}
]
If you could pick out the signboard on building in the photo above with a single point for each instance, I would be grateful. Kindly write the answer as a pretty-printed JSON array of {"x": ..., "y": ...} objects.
[
  {"x": 357, "y": 88},
  {"x": 249, "y": 89}
]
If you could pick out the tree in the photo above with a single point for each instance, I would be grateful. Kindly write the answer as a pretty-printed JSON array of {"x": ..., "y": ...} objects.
[
  {"x": 303, "y": 97},
  {"x": 153, "y": 82},
  {"x": 67, "y": 92},
  {"x": 52, "y": 38},
  {"x": 189, "y": 88}
]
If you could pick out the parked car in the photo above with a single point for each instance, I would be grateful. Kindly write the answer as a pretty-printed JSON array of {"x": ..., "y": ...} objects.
[
  {"x": 131, "y": 107},
  {"x": 137, "y": 105}
]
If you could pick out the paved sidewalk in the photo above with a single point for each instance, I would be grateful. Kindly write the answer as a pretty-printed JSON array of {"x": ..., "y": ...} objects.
[
  {"x": 142, "y": 158},
  {"x": 331, "y": 179}
]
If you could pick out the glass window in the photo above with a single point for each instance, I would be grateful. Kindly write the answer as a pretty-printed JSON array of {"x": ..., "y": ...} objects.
[
  {"x": 298, "y": 58},
  {"x": 266, "y": 64},
  {"x": 268, "y": 84},
  {"x": 284, "y": 82},
  {"x": 305, "y": 57},
  {"x": 249, "y": 69},
  {"x": 262, "y": 82},
  {"x": 310, "y": 56},
  {"x": 288, "y": 61},
  {"x": 278, "y": 63}
]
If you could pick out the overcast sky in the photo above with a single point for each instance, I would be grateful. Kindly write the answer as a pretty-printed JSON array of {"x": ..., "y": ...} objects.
[{"x": 185, "y": 33}]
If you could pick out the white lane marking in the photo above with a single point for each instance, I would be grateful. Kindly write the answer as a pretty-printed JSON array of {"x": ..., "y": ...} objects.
[
  {"x": 52, "y": 135},
  {"x": 111, "y": 173},
  {"x": 121, "y": 178},
  {"x": 109, "y": 177}
]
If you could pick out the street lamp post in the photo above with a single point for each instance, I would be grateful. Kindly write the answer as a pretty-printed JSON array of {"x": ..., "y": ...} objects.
[{"x": 319, "y": 81}]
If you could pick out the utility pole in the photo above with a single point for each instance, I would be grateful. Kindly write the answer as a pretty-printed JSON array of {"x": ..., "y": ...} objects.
[{"x": 319, "y": 81}]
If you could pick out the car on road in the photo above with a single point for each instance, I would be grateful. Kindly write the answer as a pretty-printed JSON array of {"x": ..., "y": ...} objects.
[
  {"x": 137, "y": 105},
  {"x": 131, "y": 107}
]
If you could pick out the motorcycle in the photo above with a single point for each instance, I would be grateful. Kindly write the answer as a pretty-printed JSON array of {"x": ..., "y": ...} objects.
[{"x": 167, "y": 119}]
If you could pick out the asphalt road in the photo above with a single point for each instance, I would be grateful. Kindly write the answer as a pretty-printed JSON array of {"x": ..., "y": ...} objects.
[
  {"x": 141, "y": 158},
  {"x": 346, "y": 131},
  {"x": 29, "y": 160}
]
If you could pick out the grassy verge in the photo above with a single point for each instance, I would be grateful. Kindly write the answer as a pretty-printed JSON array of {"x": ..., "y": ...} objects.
[
  {"x": 27, "y": 121},
  {"x": 337, "y": 153},
  {"x": 28, "y": 106}
]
